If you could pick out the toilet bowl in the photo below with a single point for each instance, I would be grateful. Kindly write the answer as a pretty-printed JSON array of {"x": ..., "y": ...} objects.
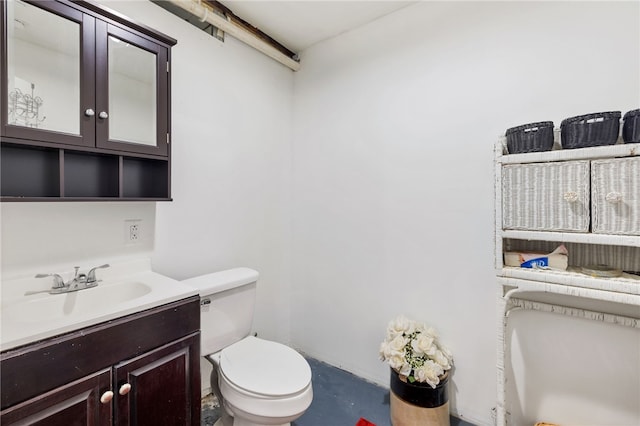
[
  {"x": 258, "y": 382},
  {"x": 263, "y": 382}
]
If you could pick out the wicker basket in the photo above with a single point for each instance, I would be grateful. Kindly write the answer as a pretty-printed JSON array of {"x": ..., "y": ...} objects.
[
  {"x": 631, "y": 127},
  {"x": 589, "y": 130},
  {"x": 533, "y": 137}
]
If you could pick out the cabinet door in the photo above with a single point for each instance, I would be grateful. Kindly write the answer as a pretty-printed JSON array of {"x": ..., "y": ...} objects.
[
  {"x": 75, "y": 404},
  {"x": 616, "y": 196},
  {"x": 48, "y": 63},
  {"x": 546, "y": 196},
  {"x": 161, "y": 387},
  {"x": 132, "y": 107}
]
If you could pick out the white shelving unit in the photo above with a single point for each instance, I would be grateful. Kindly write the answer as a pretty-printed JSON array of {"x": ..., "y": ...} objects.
[{"x": 572, "y": 293}]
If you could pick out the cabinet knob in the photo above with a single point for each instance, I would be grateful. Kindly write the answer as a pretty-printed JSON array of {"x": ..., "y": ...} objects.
[
  {"x": 571, "y": 196},
  {"x": 124, "y": 389},
  {"x": 613, "y": 197},
  {"x": 89, "y": 112},
  {"x": 103, "y": 114},
  {"x": 106, "y": 397}
]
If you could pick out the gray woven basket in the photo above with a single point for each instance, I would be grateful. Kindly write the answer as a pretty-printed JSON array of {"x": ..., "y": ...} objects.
[
  {"x": 532, "y": 137},
  {"x": 631, "y": 127},
  {"x": 589, "y": 130}
]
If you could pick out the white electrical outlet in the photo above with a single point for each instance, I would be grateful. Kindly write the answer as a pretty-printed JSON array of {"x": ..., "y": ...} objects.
[{"x": 132, "y": 231}]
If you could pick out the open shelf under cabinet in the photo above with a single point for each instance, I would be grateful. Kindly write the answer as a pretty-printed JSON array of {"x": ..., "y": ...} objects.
[{"x": 31, "y": 173}]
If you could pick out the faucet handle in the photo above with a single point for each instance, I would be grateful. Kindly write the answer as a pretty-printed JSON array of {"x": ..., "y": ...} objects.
[
  {"x": 91, "y": 276},
  {"x": 58, "y": 282}
]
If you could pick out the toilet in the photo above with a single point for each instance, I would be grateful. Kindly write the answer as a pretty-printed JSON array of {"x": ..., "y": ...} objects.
[{"x": 258, "y": 382}]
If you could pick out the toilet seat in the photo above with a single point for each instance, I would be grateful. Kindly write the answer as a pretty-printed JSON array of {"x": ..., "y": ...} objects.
[{"x": 265, "y": 368}]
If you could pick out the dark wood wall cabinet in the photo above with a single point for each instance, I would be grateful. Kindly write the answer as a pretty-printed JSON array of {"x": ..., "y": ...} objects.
[
  {"x": 84, "y": 104},
  {"x": 143, "y": 369}
]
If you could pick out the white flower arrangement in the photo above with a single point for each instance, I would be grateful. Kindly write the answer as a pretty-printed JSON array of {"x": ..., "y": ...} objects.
[{"x": 413, "y": 350}]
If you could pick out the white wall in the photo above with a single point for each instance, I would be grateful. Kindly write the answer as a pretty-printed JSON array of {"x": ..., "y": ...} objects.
[
  {"x": 230, "y": 179},
  {"x": 231, "y": 153},
  {"x": 55, "y": 237},
  {"x": 394, "y": 127}
]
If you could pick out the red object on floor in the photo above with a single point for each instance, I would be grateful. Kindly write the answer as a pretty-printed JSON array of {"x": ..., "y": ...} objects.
[{"x": 364, "y": 422}]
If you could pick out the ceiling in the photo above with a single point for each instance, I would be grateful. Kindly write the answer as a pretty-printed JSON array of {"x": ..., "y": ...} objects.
[{"x": 302, "y": 23}]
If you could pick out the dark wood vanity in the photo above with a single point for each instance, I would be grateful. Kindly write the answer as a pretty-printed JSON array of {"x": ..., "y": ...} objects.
[{"x": 141, "y": 369}]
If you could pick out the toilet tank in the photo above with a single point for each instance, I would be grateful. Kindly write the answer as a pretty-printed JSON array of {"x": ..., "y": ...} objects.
[{"x": 227, "y": 301}]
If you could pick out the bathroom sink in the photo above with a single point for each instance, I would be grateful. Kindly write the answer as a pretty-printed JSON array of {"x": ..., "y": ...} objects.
[
  {"x": 29, "y": 313},
  {"x": 51, "y": 307}
]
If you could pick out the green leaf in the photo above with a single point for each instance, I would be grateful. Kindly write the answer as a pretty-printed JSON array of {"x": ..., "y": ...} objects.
[{"x": 411, "y": 379}]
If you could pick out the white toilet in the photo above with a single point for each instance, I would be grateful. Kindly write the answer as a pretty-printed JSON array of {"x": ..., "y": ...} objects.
[{"x": 258, "y": 382}]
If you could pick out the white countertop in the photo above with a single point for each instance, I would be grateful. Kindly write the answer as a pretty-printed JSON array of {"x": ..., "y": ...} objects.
[{"x": 125, "y": 288}]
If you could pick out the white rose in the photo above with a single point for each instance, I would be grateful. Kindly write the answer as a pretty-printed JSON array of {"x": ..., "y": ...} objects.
[
  {"x": 399, "y": 326},
  {"x": 442, "y": 360},
  {"x": 384, "y": 350},
  {"x": 420, "y": 327},
  {"x": 396, "y": 360},
  {"x": 405, "y": 370},
  {"x": 423, "y": 345},
  {"x": 430, "y": 373},
  {"x": 446, "y": 352},
  {"x": 398, "y": 343},
  {"x": 431, "y": 332}
]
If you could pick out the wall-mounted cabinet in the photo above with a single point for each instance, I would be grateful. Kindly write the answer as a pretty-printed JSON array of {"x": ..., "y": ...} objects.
[{"x": 85, "y": 95}]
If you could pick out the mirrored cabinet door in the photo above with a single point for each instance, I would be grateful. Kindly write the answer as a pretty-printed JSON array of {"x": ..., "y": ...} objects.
[
  {"x": 131, "y": 92},
  {"x": 48, "y": 73}
]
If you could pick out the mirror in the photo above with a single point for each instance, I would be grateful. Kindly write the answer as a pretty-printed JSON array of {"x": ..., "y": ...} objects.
[
  {"x": 43, "y": 69},
  {"x": 132, "y": 93}
]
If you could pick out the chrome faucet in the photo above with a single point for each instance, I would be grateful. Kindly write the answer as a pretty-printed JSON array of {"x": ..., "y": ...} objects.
[
  {"x": 91, "y": 276},
  {"x": 80, "y": 281},
  {"x": 58, "y": 282}
]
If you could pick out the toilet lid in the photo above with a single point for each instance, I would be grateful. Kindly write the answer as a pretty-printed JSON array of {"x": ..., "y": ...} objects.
[{"x": 265, "y": 367}]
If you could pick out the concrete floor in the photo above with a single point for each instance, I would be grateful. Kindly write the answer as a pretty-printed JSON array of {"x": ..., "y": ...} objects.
[{"x": 339, "y": 399}]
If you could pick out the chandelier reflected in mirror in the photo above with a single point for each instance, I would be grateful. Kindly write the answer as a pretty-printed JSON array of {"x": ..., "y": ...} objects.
[{"x": 24, "y": 108}]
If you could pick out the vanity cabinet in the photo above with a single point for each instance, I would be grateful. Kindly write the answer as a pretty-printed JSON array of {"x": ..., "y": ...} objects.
[
  {"x": 159, "y": 386},
  {"x": 143, "y": 369},
  {"x": 85, "y": 102},
  {"x": 587, "y": 199},
  {"x": 76, "y": 403}
]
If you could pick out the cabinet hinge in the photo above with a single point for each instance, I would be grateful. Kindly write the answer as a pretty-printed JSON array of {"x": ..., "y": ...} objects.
[
  {"x": 167, "y": 66},
  {"x": 168, "y": 139}
]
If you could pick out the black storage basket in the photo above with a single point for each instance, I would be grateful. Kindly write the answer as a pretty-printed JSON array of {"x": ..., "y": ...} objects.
[
  {"x": 631, "y": 127},
  {"x": 533, "y": 137},
  {"x": 589, "y": 130}
]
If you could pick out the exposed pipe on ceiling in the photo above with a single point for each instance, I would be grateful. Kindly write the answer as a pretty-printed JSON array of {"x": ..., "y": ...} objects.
[{"x": 205, "y": 13}]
